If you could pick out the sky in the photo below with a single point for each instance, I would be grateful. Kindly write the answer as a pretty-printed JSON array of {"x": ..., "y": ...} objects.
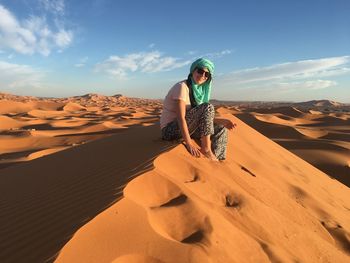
[{"x": 291, "y": 50}]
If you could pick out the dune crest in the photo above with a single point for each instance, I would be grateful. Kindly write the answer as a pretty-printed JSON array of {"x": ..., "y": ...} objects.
[{"x": 71, "y": 106}]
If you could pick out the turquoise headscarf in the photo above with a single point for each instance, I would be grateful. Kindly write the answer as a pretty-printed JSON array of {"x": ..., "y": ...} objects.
[{"x": 202, "y": 92}]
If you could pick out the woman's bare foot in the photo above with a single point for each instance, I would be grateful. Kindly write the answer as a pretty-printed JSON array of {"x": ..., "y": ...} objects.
[{"x": 209, "y": 154}]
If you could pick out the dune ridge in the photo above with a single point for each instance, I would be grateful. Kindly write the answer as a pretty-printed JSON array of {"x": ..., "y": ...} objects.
[{"x": 263, "y": 204}]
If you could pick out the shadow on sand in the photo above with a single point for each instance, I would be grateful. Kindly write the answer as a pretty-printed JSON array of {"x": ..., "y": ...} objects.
[{"x": 45, "y": 201}]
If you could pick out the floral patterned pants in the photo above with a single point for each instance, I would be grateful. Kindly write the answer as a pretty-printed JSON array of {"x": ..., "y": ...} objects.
[{"x": 200, "y": 122}]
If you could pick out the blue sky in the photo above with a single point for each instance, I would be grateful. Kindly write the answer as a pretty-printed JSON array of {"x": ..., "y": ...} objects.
[{"x": 263, "y": 50}]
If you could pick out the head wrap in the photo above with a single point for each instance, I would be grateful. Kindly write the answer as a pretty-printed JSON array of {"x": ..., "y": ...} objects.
[
  {"x": 203, "y": 63},
  {"x": 202, "y": 92}
]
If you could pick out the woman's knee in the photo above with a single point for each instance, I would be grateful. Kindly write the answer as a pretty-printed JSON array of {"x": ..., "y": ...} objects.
[{"x": 208, "y": 108}]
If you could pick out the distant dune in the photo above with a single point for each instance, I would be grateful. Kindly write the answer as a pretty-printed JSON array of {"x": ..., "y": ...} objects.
[
  {"x": 319, "y": 103},
  {"x": 309, "y": 135},
  {"x": 327, "y": 105},
  {"x": 88, "y": 179},
  {"x": 53, "y": 124}
]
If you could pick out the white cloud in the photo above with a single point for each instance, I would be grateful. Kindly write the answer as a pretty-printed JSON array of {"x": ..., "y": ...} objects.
[
  {"x": 292, "y": 70},
  {"x": 148, "y": 62},
  {"x": 304, "y": 85},
  {"x": 289, "y": 80},
  {"x": 32, "y": 35},
  {"x": 63, "y": 38},
  {"x": 19, "y": 76},
  {"x": 151, "y": 45},
  {"x": 217, "y": 54},
  {"x": 53, "y": 6}
]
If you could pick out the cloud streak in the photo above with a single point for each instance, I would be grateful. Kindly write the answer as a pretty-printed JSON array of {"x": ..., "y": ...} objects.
[
  {"x": 146, "y": 62},
  {"x": 219, "y": 54},
  {"x": 325, "y": 67},
  {"x": 20, "y": 76},
  {"x": 291, "y": 80},
  {"x": 304, "y": 85},
  {"x": 32, "y": 35}
]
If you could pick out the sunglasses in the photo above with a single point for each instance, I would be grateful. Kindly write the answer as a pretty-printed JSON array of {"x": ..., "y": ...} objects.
[{"x": 200, "y": 71}]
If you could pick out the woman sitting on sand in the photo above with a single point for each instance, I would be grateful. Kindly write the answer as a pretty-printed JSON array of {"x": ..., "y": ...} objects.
[{"x": 187, "y": 113}]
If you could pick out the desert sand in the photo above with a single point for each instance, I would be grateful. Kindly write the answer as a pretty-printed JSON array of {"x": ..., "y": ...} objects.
[
  {"x": 322, "y": 138},
  {"x": 31, "y": 127},
  {"x": 88, "y": 179}
]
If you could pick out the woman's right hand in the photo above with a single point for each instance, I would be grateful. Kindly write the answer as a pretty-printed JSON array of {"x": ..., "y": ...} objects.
[{"x": 193, "y": 150}]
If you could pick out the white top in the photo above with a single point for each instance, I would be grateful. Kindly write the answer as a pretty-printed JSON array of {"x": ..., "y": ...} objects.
[{"x": 179, "y": 91}]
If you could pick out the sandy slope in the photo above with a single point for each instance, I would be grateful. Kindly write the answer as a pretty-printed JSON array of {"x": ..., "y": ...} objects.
[
  {"x": 263, "y": 204},
  {"x": 321, "y": 138},
  {"x": 45, "y": 201}
]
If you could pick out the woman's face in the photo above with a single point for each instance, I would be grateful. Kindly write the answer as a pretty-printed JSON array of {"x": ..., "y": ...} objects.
[{"x": 200, "y": 75}]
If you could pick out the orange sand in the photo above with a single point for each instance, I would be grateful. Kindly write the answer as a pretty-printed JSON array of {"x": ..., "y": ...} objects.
[{"x": 96, "y": 184}]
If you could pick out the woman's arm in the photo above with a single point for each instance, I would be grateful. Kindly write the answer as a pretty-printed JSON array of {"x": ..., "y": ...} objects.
[{"x": 181, "y": 112}]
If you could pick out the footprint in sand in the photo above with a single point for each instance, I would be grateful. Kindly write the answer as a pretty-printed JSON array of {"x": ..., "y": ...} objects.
[
  {"x": 232, "y": 200},
  {"x": 170, "y": 212},
  {"x": 340, "y": 235},
  {"x": 151, "y": 190}
]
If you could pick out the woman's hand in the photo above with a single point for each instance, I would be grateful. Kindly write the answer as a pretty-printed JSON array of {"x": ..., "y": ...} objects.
[
  {"x": 229, "y": 124},
  {"x": 193, "y": 150}
]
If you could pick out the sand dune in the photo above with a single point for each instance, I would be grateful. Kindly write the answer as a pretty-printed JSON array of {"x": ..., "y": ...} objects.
[
  {"x": 308, "y": 136},
  {"x": 45, "y": 201},
  {"x": 282, "y": 119},
  {"x": 96, "y": 184},
  {"x": 45, "y": 114},
  {"x": 73, "y": 122},
  {"x": 313, "y": 133},
  {"x": 14, "y": 107},
  {"x": 272, "y": 130},
  {"x": 9, "y": 123},
  {"x": 71, "y": 106},
  {"x": 263, "y": 204},
  {"x": 288, "y": 111},
  {"x": 42, "y": 153},
  {"x": 332, "y": 120},
  {"x": 48, "y": 105},
  {"x": 58, "y": 123},
  {"x": 315, "y": 112}
]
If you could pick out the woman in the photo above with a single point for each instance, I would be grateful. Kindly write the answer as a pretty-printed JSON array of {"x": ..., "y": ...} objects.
[{"x": 187, "y": 113}]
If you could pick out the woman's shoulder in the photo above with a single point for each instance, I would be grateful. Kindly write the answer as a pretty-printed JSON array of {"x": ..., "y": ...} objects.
[
  {"x": 179, "y": 91},
  {"x": 180, "y": 85}
]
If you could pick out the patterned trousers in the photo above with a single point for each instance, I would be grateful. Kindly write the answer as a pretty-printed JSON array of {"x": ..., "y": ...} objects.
[{"x": 200, "y": 122}]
